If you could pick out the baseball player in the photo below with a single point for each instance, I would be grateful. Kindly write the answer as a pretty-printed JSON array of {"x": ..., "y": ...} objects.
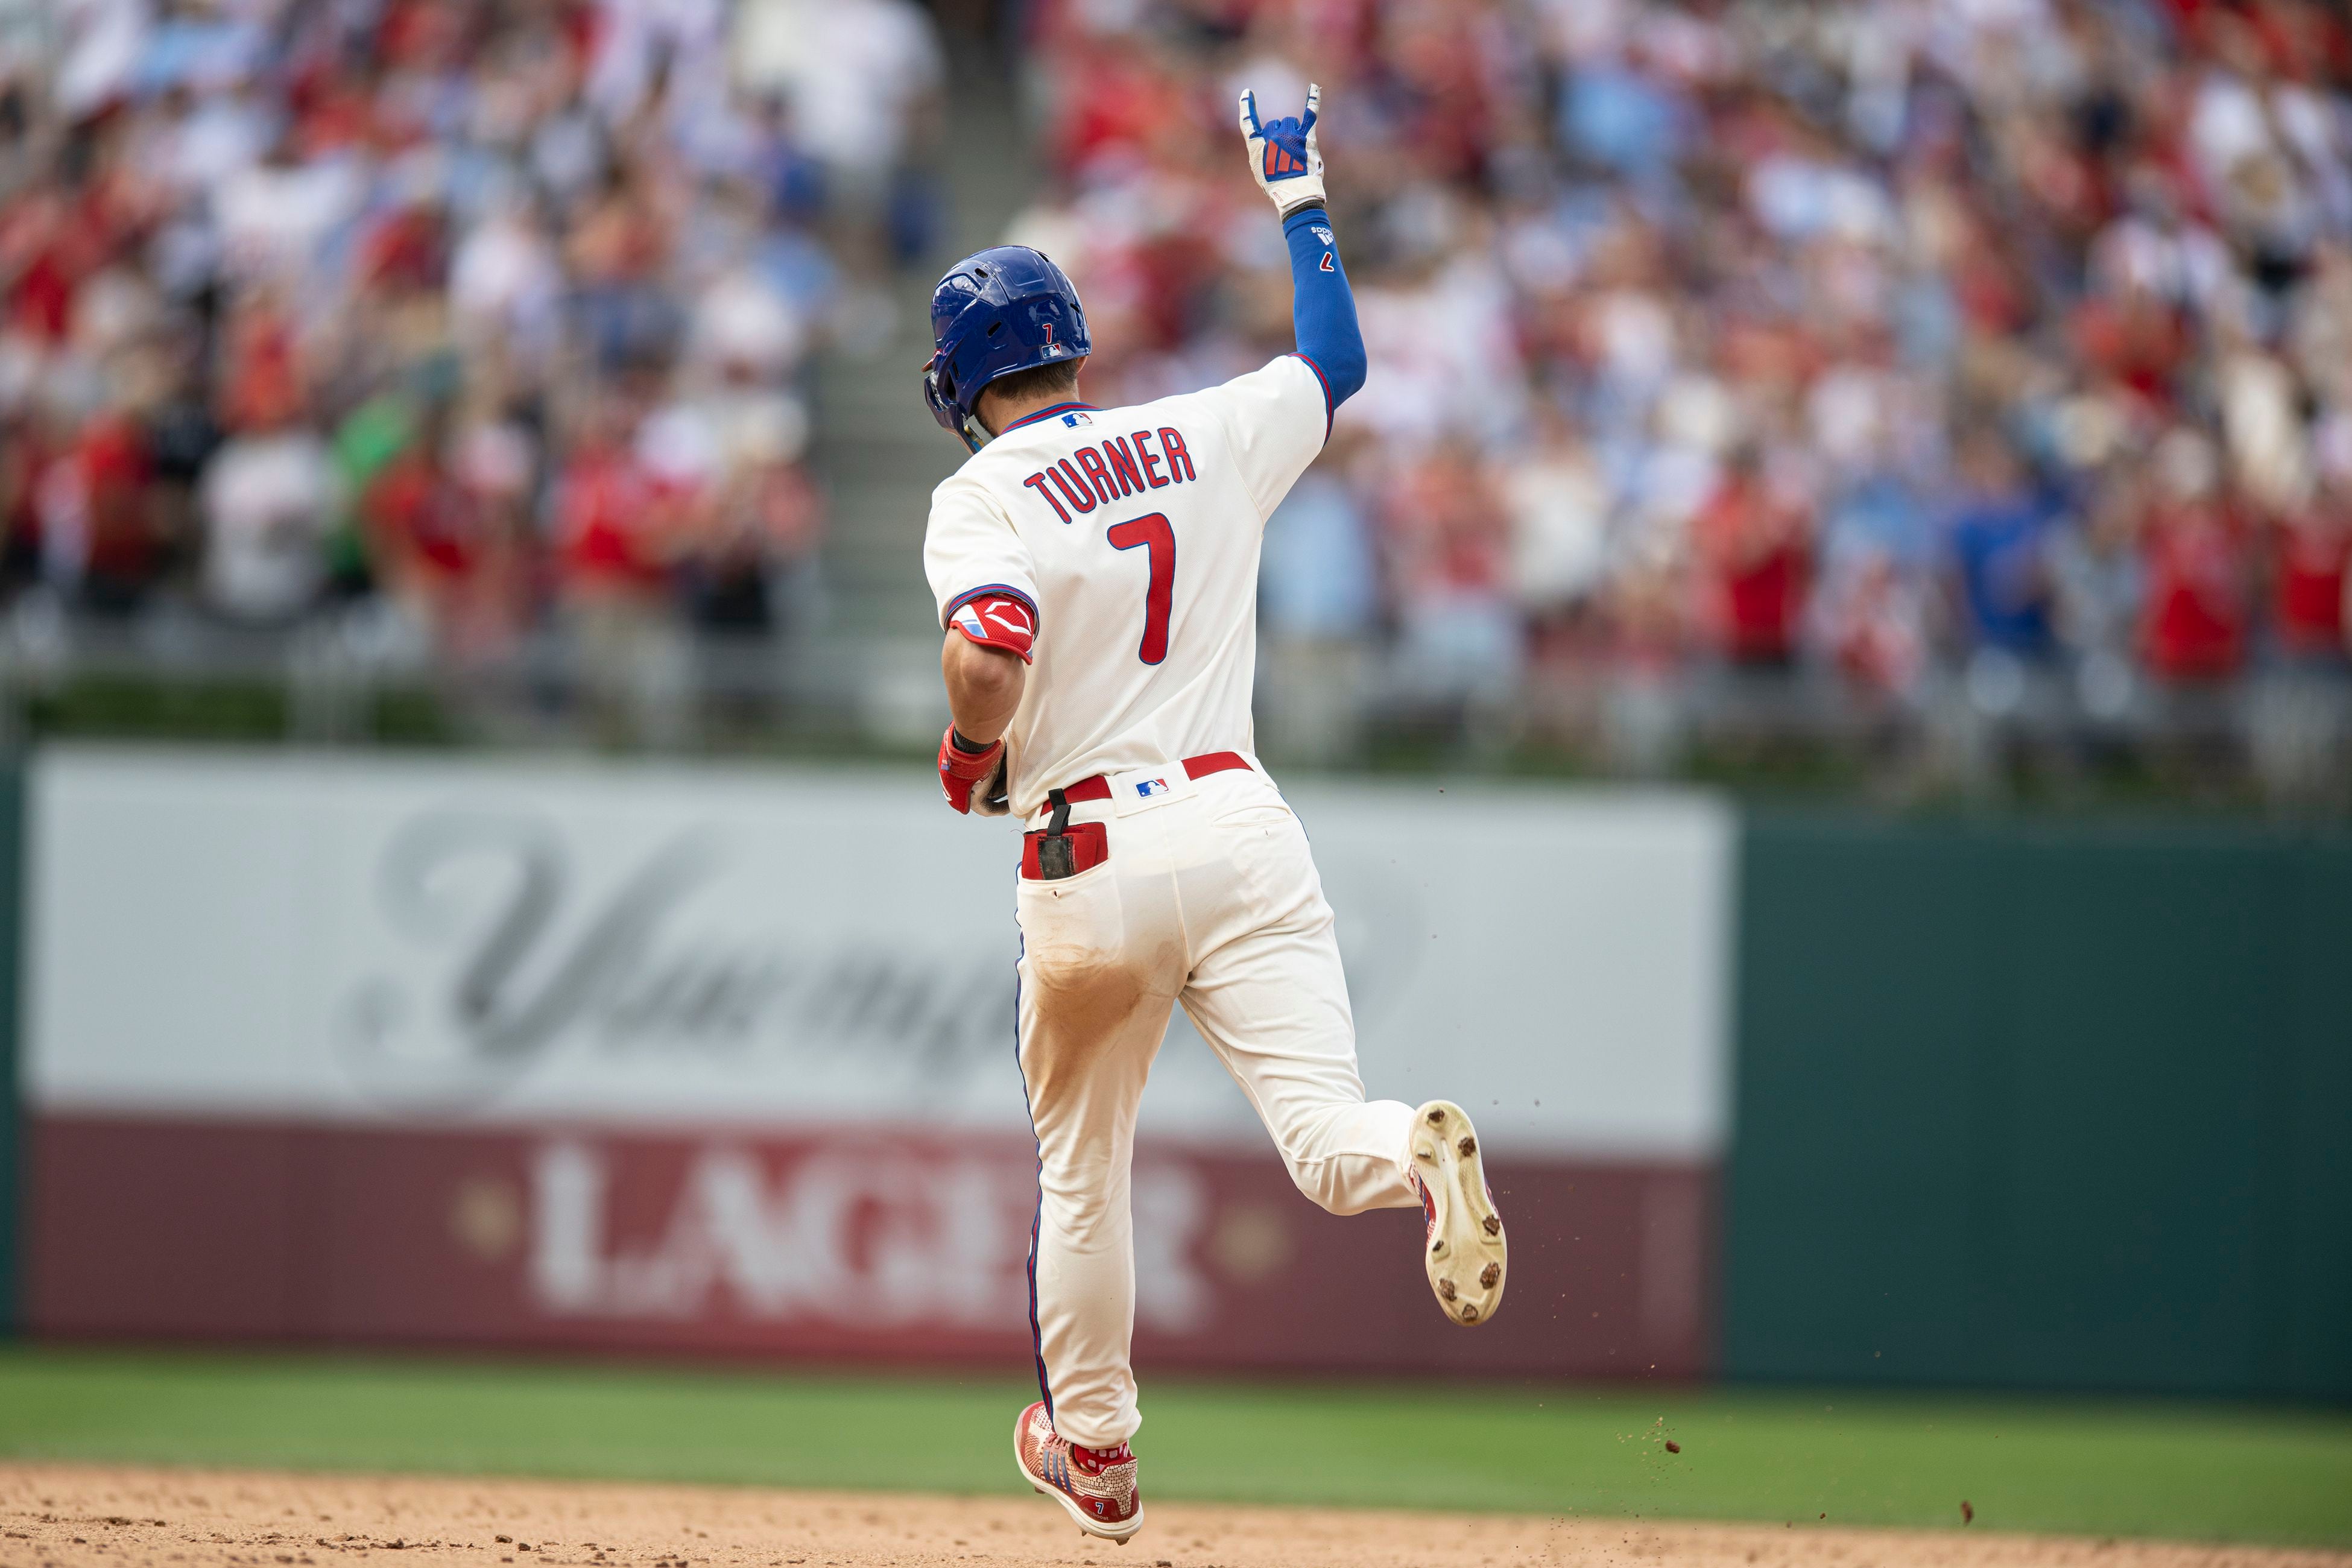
[{"x": 1095, "y": 571}]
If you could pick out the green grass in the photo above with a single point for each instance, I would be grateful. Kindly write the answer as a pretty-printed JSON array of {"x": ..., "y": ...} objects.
[{"x": 2093, "y": 1468}]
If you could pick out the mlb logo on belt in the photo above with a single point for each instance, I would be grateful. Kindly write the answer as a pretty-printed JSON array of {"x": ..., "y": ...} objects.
[{"x": 1151, "y": 786}]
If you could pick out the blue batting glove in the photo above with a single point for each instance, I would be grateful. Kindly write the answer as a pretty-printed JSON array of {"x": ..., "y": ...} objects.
[{"x": 1283, "y": 156}]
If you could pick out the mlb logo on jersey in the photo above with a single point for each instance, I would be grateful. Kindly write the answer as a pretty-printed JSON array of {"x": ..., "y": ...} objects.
[
  {"x": 1075, "y": 419},
  {"x": 1149, "y": 787}
]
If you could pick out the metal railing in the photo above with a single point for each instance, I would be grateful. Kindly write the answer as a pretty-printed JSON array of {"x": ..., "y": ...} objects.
[{"x": 1989, "y": 726}]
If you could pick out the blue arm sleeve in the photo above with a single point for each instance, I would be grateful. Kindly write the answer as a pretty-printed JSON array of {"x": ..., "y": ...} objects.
[{"x": 1322, "y": 310}]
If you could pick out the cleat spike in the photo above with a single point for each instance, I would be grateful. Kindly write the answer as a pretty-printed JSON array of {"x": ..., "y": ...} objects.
[{"x": 1462, "y": 1244}]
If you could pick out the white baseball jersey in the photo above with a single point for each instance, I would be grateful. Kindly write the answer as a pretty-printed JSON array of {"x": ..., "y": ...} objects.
[{"x": 1132, "y": 534}]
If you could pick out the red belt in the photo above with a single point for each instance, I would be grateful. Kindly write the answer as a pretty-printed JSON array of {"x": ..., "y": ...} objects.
[{"x": 1202, "y": 766}]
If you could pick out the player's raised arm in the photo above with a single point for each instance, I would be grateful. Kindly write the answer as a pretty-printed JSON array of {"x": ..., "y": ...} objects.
[{"x": 1287, "y": 166}]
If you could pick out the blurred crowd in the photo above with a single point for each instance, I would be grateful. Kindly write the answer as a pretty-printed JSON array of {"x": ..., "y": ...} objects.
[
  {"x": 477, "y": 317},
  {"x": 1899, "y": 354},
  {"x": 1896, "y": 346}
]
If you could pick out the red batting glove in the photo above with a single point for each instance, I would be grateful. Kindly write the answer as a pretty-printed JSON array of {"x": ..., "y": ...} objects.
[{"x": 972, "y": 781}]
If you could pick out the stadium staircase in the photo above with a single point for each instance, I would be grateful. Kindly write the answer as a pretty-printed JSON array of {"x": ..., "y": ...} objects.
[{"x": 876, "y": 451}]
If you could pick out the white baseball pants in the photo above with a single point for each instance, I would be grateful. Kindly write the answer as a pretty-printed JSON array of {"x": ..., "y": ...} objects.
[{"x": 1209, "y": 897}]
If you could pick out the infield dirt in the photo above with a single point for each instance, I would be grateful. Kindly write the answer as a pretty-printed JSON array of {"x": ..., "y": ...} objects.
[{"x": 74, "y": 1516}]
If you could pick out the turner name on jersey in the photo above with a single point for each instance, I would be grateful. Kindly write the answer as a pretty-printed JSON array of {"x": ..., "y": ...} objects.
[
  {"x": 1113, "y": 469},
  {"x": 1132, "y": 535}
]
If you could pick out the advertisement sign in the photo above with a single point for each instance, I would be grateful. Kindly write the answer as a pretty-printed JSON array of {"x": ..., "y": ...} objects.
[
  {"x": 810, "y": 1245},
  {"x": 722, "y": 1058}
]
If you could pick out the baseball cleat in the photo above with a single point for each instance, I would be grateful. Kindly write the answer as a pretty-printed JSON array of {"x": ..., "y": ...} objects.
[
  {"x": 1096, "y": 1486},
  {"x": 1466, "y": 1251}
]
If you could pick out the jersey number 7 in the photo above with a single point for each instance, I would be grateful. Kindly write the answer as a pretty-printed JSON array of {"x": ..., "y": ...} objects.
[{"x": 1159, "y": 541}]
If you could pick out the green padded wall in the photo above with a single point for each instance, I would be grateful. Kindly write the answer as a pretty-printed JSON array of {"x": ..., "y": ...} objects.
[
  {"x": 2042, "y": 1106},
  {"x": 12, "y": 903}
]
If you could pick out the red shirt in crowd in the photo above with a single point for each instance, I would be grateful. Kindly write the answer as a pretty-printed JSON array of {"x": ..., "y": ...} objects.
[
  {"x": 2193, "y": 619},
  {"x": 1447, "y": 526},
  {"x": 416, "y": 514},
  {"x": 50, "y": 243},
  {"x": 2313, "y": 553},
  {"x": 1759, "y": 567},
  {"x": 608, "y": 522},
  {"x": 115, "y": 473},
  {"x": 404, "y": 250},
  {"x": 1122, "y": 101}
]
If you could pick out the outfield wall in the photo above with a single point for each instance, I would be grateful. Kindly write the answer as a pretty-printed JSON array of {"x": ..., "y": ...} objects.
[
  {"x": 2037, "y": 1105},
  {"x": 719, "y": 1059},
  {"x": 12, "y": 860}
]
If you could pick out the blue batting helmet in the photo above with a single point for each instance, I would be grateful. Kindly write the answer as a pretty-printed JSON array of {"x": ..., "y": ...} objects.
[{"x": 997, "y": 310}]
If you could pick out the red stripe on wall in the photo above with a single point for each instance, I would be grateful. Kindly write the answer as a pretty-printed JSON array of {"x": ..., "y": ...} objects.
[{"x": 867, "y": 1245}]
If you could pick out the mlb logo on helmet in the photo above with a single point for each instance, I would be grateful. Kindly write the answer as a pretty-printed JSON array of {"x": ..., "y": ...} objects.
[{"x": 1149, "y": 787}]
